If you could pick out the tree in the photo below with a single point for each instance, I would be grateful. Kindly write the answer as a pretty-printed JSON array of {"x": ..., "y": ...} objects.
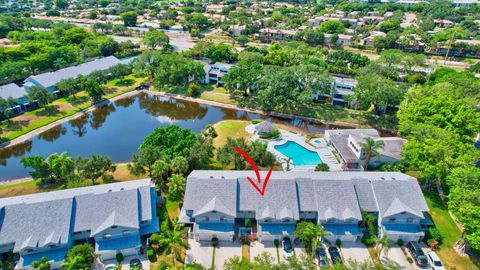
[
  {"x": 61, "y": 4},
  {"x": 322, "y": 167},
  {"x": 174, "y": 69},
  {"x": 382, "y": 245},
  {"x": 5, "y": 107},
  {"x": 245, "y": 73},
  {"x": 201, "y": 152},
  {"x": 377, "y": 91},
  {"x": 176, "y": 187},
  {"x": 79, "y": 257},
  {"x": 179, "y": 165},
  {"x": 172, "y": 241},
  {"x": 95, "y": 167},
  {"x": 310, "y": 234},
  {"x": 155, "y": 38},
  {"x": 54, "y": 168},
  {"x": 221, "y": 52},
  {"x": 143, "y": 162},
  {"x": 171, "y": 140},
  {"x": 92, "y": 15},
  {"x": 463, "y": 200},
  {"x": 69, "y": 86},
  {"x": 148, "y": 62},
  {"x": 332, "y": 27},
  {"x": 42, "y": 264},
  {"x": 227, "y": 155},
  {"x": 129, "y": 18},
  {"x": 371, "y": 147},
  {"x": 40, "y": 95},
  {"x": 242, "y": 40},
  {"x": 93, "y": 88}
]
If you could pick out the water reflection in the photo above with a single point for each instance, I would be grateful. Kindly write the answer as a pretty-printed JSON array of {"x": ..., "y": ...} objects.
[
  {"x": 171, "y": 108},
  {"x": 79, "y": 125},
  {"x": 53, "y": 133},
  {"x": 99, "y": 116},
  {"x": 116, "y": 130}
]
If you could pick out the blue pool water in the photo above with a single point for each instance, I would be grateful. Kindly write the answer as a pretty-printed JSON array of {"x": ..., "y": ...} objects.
[{"x": 298, "y": 154}]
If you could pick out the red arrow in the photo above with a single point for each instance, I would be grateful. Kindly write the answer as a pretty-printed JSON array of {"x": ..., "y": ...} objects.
[{"x": 257, "y": 173}]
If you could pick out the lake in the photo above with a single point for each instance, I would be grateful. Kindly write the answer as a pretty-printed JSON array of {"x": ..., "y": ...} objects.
[{"x": 118, "y": 129}]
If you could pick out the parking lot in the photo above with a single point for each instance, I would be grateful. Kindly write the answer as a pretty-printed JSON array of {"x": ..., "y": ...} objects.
[{"x": 201, "y": 252}]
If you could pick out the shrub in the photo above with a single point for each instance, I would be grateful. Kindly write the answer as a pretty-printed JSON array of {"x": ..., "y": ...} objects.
[
  {"x": 409, "y": 259},
  {"x": 124, "y": 82},
  {"x": 193, "y": 90},
  {"x": 434, "y": 233},
  {"x": 400, "y": 242},
  {"x": 322, "y": 167},
  {"x": 276, "y": 242},
  {"x": 119, "y": 257},
  {"x": 338, "y": 243},
  {"x": 154, "y": 238},
  {"x": 214, "y": 241},
  {"x": 256, "y": 121},
  {"x": 151, "y": 254},
  {"x": 162, "y": 265},
  {"x": 367, "y": 240}
]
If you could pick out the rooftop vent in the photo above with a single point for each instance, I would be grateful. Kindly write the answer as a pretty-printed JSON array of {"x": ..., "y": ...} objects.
[{"x": 211, "y": 176}]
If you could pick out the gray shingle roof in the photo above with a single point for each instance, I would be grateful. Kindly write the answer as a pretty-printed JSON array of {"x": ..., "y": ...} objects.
[
  {"x": 339, "y": 195},
  {"x": 36, "y": 225},
  {"x": 40, "y": 219},
  {"x": 12, "y": 90},
  {"x": 51, "y": 78},
  {"x": 389, "y": 193}
]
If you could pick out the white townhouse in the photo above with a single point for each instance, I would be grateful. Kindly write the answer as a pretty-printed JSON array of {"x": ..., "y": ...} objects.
[{"x": 217, "y": 203}]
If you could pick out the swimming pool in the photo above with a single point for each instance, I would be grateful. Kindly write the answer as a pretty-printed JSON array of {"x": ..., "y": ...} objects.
[{"x": 298, "y": 154}]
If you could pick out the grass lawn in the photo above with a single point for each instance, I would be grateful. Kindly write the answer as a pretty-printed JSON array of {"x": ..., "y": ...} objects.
[
  {"x": 246, "y": 252},
  {"x": 230, "y": 128},
  {"x": 58, "y": 109},
  {"x": 173, "y": 208},
  {"x": 451, "y": 233},
  {"x": 30, "y": 187},
  {"x": 217, "y": 94}
]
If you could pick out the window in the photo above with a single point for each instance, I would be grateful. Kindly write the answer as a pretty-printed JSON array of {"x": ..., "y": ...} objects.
[
  {"x": 125, "y": 232},
  {"x": 106, "y": 236},
  {"x": 223, "y": 218},
  {"x": 28, "y": 250},
  {"x": 114, "y": 227},
  {"x": 409, "y": 220},
  {"x": 286, "y": 220},
  {"x": 392, "y": 219},
  {"x": 52, "y": 246},
  {"x": 268, "y": 220},
  {"x": 206, "y": 219}
]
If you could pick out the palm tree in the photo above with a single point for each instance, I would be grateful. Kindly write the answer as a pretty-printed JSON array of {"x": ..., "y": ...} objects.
[
  {"x": 77, "y": 262},
  {"x": 320, "y": 232},
  {"x": 172, "y": 240},
  {"x": 371, "y": 146},
  {"x": 382, "y": 245}
]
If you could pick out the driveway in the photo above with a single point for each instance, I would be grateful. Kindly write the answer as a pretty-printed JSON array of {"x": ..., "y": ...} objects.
[
  {"x": 200, "y": 252},
  {"x": 355, "y": 251},
  {"x": 225, "y": 251},
  {"x": 257, "y": 248},
  {"x": 395, "y": 255}
]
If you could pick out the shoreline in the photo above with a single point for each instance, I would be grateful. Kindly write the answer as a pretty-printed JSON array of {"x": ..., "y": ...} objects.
[{"x": 35, "y": 132}]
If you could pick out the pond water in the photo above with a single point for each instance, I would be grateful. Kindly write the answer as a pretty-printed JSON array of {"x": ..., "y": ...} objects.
[{"x": 118, "y": 129}]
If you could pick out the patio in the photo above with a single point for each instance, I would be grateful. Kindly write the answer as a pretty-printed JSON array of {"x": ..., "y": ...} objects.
[{"x": 317, "y": 145}]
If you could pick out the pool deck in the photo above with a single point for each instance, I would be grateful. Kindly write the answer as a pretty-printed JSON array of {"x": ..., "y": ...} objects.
[{"x": 322, "y": 149}]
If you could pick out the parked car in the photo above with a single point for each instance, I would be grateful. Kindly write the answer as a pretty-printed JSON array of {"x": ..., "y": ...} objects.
[
  {"x": 321, "y": 255},
  {"x": 287, "y": 248},
  {"x": 110, "y": 267},
  {"x": 435, "y": 261},
  {"x": 335, "y": 255},
  {"x": 135, "y": 264},
  {"x": 417, "y": 254}
]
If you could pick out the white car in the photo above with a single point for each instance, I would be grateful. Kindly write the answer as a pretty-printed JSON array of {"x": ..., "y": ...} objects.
[{"x": 434, "y": 261}]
